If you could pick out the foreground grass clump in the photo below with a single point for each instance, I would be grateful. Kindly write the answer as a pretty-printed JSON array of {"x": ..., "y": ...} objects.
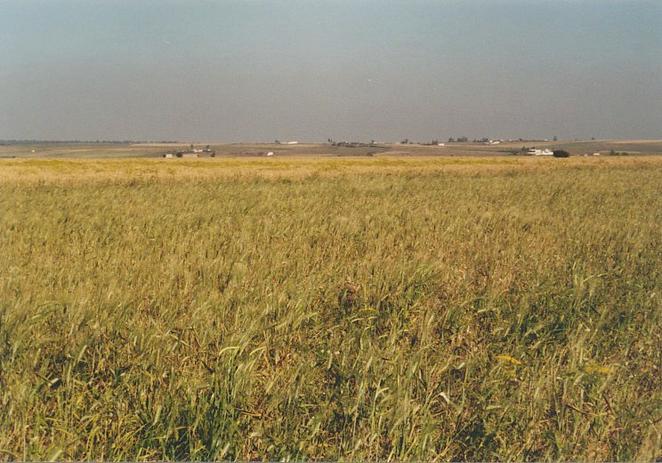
[{"x": 505, "y": 310}]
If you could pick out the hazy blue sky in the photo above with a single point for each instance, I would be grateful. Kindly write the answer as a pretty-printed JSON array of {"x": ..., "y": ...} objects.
[{"x": 293, "y": 69}]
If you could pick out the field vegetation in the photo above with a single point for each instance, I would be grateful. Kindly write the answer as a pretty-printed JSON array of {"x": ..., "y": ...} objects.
[{"x": 375, "y": 308}]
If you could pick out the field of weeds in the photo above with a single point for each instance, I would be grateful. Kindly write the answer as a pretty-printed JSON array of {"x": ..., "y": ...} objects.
[{"x": 400, "y": 309}]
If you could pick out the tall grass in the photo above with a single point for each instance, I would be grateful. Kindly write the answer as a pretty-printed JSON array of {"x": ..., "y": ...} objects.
[{"x": 508, "y": 312}]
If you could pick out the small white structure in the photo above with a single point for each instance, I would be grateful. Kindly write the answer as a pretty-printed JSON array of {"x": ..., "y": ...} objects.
[
  {"x": 270, "y": 153},
  {"x": 292, "y": 143},
  {"x": 540, "y": 152},
  {"x": 597, "y": 153},
  {"x": 441, "y": 144},
  {"x": 168, "y": 155}
]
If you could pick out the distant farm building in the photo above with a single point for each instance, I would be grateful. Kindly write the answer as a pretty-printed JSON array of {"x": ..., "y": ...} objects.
[
  {"x": 192, "y": 153},
  {"x": 540, "y": 152}
]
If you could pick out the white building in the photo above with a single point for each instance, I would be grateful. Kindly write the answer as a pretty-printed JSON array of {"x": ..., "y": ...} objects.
[{"x": 540, "y": 152}]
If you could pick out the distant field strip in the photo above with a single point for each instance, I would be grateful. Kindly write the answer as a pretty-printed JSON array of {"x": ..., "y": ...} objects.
[
  {"x": 78, "y": 170},
  {"x": 312, "y": 308}
]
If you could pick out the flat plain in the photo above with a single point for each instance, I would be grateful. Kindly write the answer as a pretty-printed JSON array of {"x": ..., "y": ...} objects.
[
  {"x": 387, "y": 307},
  {"x": 248, "y": 150}
]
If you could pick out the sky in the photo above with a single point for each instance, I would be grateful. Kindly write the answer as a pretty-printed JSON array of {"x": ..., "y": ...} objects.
[{"x": 309, "y": 70}]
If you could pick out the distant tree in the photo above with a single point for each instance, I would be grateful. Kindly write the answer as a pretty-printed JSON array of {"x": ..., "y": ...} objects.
[
  {"x": 462, "y": 139},
  {"x": 451, "y": 140},
  {"x": 405, "y": 141},
  {"x": 618, "y": 153},
  {"x": 561, "y": 154},
  {"x": 555, "y": 138}
]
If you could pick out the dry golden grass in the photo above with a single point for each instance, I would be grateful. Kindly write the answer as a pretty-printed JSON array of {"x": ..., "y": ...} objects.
[
  {"x": 373, "y": 308},
  {"x": 136, "y": 169}
]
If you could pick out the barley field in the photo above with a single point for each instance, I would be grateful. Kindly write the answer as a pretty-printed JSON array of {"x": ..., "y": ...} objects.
[{"x": 358, "y": 309}]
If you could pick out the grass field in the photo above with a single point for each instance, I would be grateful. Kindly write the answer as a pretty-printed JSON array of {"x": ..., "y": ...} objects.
[{"x": 374, "y": 308}]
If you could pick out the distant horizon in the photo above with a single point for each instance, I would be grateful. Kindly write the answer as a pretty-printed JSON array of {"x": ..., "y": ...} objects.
[
  {"x": 10, "y": 141},
  {"x": 308, "y": 70}
]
